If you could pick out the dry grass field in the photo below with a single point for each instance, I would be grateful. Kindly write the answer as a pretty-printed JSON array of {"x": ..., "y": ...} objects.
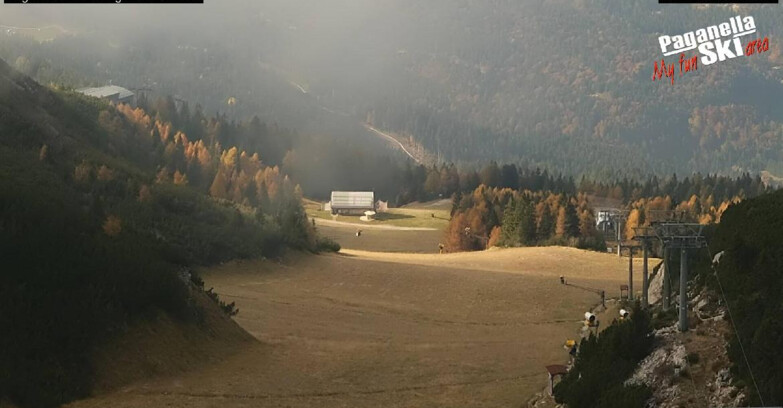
[
  {"x": 368, "y": 329},
  {"x": 382, "y": 239},
  {"x": 431, "y": 215},
  {"x": 399, "y": 217}
]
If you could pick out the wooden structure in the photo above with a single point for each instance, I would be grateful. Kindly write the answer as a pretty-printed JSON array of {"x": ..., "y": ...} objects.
[
  {"x": 553, "y": 371},
  {"x": 623, "y": 288}
]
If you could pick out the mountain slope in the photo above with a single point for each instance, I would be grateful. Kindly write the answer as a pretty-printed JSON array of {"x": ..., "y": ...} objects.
[
  {"x": 91, "y": 244},
  {"x": 561, "y": 84},
  {"x": 749, "y": 237}
]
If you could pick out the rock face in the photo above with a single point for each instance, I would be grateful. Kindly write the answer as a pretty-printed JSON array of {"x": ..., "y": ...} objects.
[
  {"x": 684, "y": 370},
  {"x": 723, "y": 393},
  {"x": 661, "y": 369},
  {"x": 691, "y": 369},
  {"x": 655, "y": 290}
]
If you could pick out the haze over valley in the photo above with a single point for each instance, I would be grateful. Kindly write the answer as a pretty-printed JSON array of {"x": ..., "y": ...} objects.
[{"x": 389, "y": 203}]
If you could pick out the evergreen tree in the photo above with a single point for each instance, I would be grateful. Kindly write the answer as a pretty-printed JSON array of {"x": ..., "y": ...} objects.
[
  {"x": 511, "y": 224},
  {"x": 527, "y": 222},
  {"x": 571, "y": 220}
]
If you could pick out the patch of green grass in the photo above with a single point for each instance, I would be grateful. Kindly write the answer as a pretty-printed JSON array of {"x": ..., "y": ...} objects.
[
  {"x": 400, "y": 217},
  {"x": 430, "y": 205}
]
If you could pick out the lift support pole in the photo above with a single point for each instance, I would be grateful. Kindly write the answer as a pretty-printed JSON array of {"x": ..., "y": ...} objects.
[
  {"x": 645, "y": 236},
  {"x": 645, "y": 282},
  {"x": 684, "y": 290},
  {"x": 630, "y": 273},
  {"x": 667, "y": 290},
  {"x": 682, "y": 236}
]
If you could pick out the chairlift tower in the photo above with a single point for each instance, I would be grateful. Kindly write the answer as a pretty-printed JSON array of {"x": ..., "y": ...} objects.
[
  {"x": 665, "y": 216},
  {"x": 681, "y": 236},
  {"x": 631, "y": 248},
  {"x": 645, "y": 236},
  {"x": 618, "y": 217}
]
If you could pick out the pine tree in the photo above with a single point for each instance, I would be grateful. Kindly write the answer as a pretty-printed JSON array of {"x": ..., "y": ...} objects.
[
  {"x": 560, "y": 224},
  {"x": 587, "y": 227},
  {"x": 490, "y": 175},
  {"x": 545, "y": 220},
  {"x": 571, "y": 220},
  {"x": 219, "y": 187},
  {"x": 633, "y": 221},
  {"x": 510, "y": 227},
  {"x": 432, "y": 185},
  {"x": 527, "y": 222},
  {"x": 180, "y": 179}
]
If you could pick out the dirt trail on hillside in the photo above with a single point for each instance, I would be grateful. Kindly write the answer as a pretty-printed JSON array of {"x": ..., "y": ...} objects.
[{"x": 365, "y": 329}]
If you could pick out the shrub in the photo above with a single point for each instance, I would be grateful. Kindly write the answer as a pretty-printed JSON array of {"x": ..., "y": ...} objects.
[
  {"x": 325, "y": 244},
  {"x": 228, "y": 308},
  {"x": 621, "y": 396},
  {"x": 605, "y": 362},
  {"x": 664, "y": 318}
]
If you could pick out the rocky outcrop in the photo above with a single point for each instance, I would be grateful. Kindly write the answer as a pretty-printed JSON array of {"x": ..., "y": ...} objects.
[
  {"x": 662, "y": 368},
  {"x": 691, "y": 369}
]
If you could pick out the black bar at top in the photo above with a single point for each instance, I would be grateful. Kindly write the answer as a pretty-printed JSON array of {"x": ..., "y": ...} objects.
[
  {"x": 718, "y": 2},
  {"x": 103, "y": 1}
]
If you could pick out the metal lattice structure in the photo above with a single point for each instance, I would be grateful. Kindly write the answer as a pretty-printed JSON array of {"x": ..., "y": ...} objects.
[
  {"x": 615, "y": 218},
  {"x": 675, "y": 231},
  {"x": 618, "y": 218},
  {"x": 646, "y": 236},
  {"x": 631, "y": 248},
  {"x": 681, "y": 236}
]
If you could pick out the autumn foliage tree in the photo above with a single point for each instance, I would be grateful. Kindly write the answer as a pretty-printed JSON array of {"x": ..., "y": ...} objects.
[{"x": 502, "y": 216}]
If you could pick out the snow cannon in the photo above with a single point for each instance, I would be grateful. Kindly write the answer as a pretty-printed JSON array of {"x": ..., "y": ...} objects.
[{"x": 591, "y": 320}]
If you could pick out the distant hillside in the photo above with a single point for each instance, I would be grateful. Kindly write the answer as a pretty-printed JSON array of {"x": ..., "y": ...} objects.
[
  {"x": 563, "y": 85},
  {"x": 566, "y": 85},
  {"x": 96, "y": 235}
]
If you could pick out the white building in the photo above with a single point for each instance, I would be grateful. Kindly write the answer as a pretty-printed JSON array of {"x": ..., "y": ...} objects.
[
  {"x": 352, "y": 202},
  {"x": 116, "y": 94},
  {"x": 603, "y": 220}
]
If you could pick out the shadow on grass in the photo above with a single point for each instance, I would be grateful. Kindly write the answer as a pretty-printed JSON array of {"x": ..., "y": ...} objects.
[{"x": 392, "y": 216}]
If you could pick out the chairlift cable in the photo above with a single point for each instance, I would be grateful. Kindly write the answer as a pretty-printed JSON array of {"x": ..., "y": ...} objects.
[{"x": 736, "y": 332}]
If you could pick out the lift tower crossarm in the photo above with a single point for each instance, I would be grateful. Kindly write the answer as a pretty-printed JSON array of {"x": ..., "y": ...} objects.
[{"x": 682, "y": 236}]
